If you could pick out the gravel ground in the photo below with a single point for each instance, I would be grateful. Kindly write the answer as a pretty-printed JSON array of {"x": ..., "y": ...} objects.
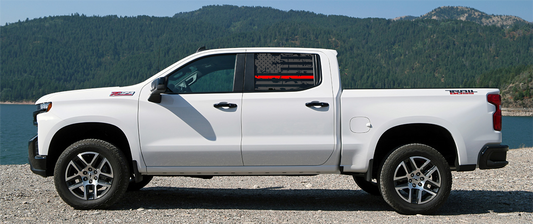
[{"x": 483, "y": 196}]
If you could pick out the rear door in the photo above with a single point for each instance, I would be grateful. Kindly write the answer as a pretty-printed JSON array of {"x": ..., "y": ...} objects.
[{"x": 286, "y": 113}]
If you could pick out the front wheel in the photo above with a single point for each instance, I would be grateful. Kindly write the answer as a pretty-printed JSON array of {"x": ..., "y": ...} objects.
[
  {"x": 415, "y": 179},
  {"x": 91, "y": 173}
]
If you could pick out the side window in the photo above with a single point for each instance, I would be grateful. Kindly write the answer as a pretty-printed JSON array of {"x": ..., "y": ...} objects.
[
  {"x": 213, "y": 74},
  {"x": 286, "y": 72}
]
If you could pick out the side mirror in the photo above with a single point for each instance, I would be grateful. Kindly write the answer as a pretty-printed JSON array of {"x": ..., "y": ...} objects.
[{"x": 158, "y": 86}]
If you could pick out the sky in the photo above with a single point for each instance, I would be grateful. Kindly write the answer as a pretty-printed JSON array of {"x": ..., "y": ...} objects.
[{"x": 12, "y": 11}]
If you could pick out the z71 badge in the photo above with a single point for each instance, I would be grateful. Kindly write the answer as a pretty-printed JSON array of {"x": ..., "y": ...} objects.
[
  {"x": 122, "y": 93},
  {"x": 461, "y": 92}
]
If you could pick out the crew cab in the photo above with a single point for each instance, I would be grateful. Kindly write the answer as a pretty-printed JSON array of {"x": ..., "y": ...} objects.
[{"x": 264, "y": 111}]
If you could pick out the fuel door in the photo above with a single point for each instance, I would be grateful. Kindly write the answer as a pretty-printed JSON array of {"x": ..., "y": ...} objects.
[{"x": 360, "y": 124}]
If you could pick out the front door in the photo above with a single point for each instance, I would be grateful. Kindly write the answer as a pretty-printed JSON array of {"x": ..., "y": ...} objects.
[{"x": 198, "y": 122}]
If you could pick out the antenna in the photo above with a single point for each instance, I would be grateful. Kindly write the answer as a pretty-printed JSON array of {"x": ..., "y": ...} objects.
[{"x": 203, "y": 48}]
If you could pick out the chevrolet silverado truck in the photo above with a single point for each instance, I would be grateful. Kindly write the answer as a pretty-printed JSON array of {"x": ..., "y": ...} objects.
[{"x": 264, "y": 111}]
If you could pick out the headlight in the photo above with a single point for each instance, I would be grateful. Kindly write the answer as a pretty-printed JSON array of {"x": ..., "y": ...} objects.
[
  {"x": 44, "y": 107},
  {"x": 41, "y": 108}
]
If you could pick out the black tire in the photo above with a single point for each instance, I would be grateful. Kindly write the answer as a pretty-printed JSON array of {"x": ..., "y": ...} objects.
[
  {"x": 415, "y": 170},
  {"x": 371, "y": 187},
  {"x": 133, "y": 186},
  {"x": 90, "y": 174}
]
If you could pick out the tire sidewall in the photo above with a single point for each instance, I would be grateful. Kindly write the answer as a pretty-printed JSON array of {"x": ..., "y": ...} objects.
[
  {"x": 387, "y": 175},
  {"x": 112, "y": 154}
]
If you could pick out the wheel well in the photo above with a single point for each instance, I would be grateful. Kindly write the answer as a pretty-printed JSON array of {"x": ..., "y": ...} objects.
[
  {"x": 432, "y": 135},
  {"x": 76, "y": 132}
]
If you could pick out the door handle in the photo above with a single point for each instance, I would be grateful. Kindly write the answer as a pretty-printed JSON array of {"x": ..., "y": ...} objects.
[
  {"x": 224, "y": 104},
  {"x": 317, "y": 104}
]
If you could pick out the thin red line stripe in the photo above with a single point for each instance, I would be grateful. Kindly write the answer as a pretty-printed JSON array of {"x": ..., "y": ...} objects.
[{"x": 284, "y": 77}]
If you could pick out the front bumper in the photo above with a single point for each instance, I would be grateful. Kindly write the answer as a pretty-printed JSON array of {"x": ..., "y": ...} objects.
[
  {"x": 493, "y": 157},
  {"x": 37, "y": 162}
]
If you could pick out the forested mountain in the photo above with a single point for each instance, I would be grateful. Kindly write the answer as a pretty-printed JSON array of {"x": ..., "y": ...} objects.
[{"x": 70, "y": 52}]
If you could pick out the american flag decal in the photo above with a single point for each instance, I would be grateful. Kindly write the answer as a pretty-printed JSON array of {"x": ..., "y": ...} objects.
[{"x": 284, "y": 72}]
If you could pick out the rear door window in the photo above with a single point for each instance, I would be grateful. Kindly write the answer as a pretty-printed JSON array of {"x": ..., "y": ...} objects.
[{"x": 285, "y": 72}]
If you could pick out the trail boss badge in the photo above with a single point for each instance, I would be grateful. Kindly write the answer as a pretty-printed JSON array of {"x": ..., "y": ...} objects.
[
  {"x": 122, "y": 93},
  {"x": 461, "y": 92}
]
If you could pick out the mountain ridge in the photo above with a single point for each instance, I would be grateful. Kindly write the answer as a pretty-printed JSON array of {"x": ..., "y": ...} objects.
[{"x": 467, "y": 14}]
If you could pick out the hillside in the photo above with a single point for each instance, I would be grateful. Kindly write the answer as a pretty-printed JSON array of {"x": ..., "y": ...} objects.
[
  {"x": 519, "y": 91},
  {"x": 468, "y": 14},
  {"x": 58, "y": 53}
]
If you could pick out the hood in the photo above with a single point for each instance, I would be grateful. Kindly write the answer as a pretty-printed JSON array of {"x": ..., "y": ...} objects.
[{"x": 91, "y": 94}]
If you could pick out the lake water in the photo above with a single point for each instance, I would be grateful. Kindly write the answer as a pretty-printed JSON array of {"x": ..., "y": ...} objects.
[{"x": 16, "y": 128}]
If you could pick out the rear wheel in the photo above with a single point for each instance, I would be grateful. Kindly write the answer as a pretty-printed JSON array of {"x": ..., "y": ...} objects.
[
  {"x": 415, "y": 179},
  {"x": 91, "y": 173}
]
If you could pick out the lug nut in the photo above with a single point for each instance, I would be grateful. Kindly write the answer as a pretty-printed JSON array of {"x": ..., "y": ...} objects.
[
  {"x": 418, "y": 174},
  {"x": 95, "y": 172},
  {"x": 84, "y": 172},
  {"x": 90, "y": 181},
  {"x": 412, "y": 175},
  {"x": 420, "y": 184},
  {"x": 85, "y": 179},
  {"x": 90, "y": 169},
  {"x": 95, "y": 178},
  {"x": 414, "y": 185},
  {"x": 421, "y": 178},
  {"x": 410, "y": 180}
]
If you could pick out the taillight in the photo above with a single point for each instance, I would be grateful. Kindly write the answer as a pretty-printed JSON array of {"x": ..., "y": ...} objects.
[{"x": 497, "y": 116}]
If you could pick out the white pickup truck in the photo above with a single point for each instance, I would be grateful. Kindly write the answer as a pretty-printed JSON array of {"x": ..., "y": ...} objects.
[{"x": 264, "y": 111}]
